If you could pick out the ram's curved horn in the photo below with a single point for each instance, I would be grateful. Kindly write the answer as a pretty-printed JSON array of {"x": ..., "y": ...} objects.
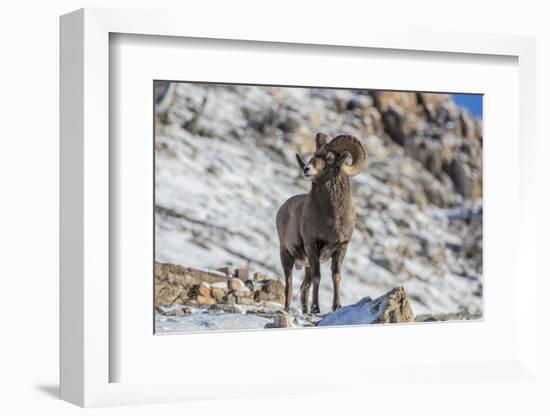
[{"x": 347, "y": 143}]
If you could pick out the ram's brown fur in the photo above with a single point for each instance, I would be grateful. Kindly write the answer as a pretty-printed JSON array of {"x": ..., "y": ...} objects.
[{"x": 318, "y": 226}]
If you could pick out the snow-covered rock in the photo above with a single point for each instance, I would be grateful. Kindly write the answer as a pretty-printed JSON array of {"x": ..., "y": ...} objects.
[{"x": 393, "y": 307}]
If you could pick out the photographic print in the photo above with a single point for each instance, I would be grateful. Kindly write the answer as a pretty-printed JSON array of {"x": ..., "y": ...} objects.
[{"x": 303, "y": 207}]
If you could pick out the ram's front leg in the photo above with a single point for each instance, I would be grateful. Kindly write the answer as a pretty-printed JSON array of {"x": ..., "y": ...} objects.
[
  {"x": 312, "y": 253},
  {"x": 337, "y": 260},
  {"x": 304, "y": 290}
]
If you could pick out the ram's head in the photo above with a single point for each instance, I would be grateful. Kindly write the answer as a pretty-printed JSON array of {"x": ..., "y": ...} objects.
[{"x": 330, "y": 157}]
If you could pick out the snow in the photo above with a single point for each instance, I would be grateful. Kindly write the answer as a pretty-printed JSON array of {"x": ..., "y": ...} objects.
[
  {"x": 219, "y": 285},
  {"x": 208, "y": 322},
  {"x": 351, "y": 315},
  {"x": 171, "y": 308}
]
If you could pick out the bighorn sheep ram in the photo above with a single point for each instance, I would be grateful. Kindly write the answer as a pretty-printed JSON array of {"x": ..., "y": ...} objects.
[{"x": 318, "y": 226}]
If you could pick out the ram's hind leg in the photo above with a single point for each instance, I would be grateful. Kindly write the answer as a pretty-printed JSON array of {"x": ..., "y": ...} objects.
[
  {"x": 287, "y": 261},
  {"x": 337, "y": 260},
  {"x": 304, "y": 290}
]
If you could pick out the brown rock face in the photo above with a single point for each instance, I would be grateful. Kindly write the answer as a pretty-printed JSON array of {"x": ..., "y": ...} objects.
[
  {"x": 384, "y": 100},
  {"x": 444, "y": 138}
]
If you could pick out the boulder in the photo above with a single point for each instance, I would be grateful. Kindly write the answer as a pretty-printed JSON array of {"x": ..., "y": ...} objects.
[
  {"x": 242, "y": 274},
  {"x": 272, "y": 290},
  {"x": 235, "y": 284},
  {"x": 204, "y": 300},
  {"x": 224, "y": 270},
  {"x": 219, "y": 293},
  {"x": 281, "y": 320},
  {"x": 243, "y": 293},
  {"x": 185, "y": 276},
  {"x": 259, "y": 277},
  {"x": 205, "y": 291},
  {"x": 167, "y": 294},
  {"x": 392, "y": 307}
]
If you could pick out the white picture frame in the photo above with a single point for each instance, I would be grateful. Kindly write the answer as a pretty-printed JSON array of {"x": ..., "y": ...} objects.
[{"x": 87, "y": 356}]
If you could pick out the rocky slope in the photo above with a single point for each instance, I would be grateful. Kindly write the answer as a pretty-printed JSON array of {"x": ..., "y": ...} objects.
[
  {"x": 225, "y": 163},
  {"x": 192, "y": 300}
]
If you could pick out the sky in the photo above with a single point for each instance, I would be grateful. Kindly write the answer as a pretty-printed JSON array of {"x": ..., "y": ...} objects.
[{"x": 473, "y": 102}]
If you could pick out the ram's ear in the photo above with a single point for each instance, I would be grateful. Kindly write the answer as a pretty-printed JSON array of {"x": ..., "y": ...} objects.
[
  {"x": 301, "y": 162},
  {"x": 321, "y": 139}
]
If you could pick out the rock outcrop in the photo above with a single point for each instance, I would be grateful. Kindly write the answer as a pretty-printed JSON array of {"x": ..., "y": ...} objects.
[
  {"x": 184, "y": 302},
  {"x": 392, "y": 307},
  {"x": 178, "y": 285}
]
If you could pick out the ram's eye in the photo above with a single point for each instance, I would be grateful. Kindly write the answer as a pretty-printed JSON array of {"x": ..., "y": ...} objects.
[{"x": 330, "y": 157}]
